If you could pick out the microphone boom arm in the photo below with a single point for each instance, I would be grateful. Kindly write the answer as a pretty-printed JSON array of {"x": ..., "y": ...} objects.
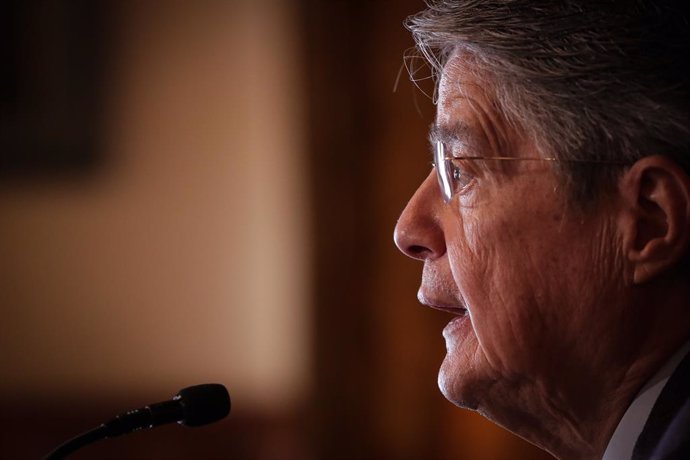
[{"x": 193, "y": 406}]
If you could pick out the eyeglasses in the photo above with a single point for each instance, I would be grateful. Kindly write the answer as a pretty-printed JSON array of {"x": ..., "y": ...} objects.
[{"x": 450, "y": 173}]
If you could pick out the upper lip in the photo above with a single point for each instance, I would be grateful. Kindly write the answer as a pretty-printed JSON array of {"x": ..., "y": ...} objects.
[{"x": 443, "y": 305}]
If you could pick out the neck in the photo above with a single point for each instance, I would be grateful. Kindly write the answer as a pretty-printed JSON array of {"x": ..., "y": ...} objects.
[{"x": 575, "y": 417}]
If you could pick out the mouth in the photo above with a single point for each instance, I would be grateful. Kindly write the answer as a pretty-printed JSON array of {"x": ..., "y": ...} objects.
[
  {"x": 437, "y": 304},
  {"x": 458, "y": 327}
]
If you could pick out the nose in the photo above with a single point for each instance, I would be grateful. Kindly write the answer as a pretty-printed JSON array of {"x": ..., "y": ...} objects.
[{"x": 418, "y": 233}]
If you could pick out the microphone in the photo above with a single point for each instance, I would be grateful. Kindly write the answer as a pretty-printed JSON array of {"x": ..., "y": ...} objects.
[{"x": 193, "y": 406}]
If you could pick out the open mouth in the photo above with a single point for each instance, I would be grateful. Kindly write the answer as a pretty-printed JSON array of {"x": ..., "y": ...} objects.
[
  {"x": 457, "y": 311},
  {"x": 443, "y": 306}
]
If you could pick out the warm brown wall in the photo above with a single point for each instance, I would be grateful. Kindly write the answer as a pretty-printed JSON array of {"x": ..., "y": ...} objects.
[{"x": 183, "y": 257}]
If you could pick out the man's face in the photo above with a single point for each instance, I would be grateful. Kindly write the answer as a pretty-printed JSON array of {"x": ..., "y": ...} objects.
[{"x": 526, "y": 275}]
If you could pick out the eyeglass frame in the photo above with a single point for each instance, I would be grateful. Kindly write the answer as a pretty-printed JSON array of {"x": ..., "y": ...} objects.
[{"x": 445, "y": 180}]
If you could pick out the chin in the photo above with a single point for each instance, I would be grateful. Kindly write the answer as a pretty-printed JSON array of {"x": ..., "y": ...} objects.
[{"x": 458, "y": 388}]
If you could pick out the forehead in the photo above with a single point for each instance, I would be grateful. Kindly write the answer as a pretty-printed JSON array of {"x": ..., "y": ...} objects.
[
  {"x": 466, "y": 100},
  {"x": 462, "y": 88}
]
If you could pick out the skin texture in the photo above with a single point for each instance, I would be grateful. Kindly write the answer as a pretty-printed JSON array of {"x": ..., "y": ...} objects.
[{"x": 558, "y": 335}]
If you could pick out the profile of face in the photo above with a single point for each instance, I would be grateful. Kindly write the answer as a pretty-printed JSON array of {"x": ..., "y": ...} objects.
[{"x": 529, "y": 278}]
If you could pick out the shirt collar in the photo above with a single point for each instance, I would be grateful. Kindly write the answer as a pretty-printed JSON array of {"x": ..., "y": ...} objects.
[{"x": 621, "y": 445}]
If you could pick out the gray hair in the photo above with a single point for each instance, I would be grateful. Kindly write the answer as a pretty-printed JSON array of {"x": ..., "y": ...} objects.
[{"x": 589, "y": 80}]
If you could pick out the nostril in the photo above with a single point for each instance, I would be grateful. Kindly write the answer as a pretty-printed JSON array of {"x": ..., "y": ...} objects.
[
  {"x": 418, "y": 239},
  {"x": 419, "y": 252}
]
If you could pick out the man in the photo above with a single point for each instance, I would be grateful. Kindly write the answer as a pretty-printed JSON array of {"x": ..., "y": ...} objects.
[{"x": 555, "y": 224}]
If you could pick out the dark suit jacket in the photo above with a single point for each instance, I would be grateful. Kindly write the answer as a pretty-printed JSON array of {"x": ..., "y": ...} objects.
[{"x": 666, "y": 434}]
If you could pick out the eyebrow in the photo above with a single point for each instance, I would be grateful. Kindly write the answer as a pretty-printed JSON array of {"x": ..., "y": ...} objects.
[{"x": 457, "y": 132}]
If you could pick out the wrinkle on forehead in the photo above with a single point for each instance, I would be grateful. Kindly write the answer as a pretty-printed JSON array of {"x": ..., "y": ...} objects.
[
  {"x": 469, "y": 96},
  {"x": 460, "y": 75},
  {"x": 464, "y": 102}
]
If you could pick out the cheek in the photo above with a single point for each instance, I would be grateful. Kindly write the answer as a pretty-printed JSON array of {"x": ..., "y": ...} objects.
[
  {"x": 469, "y": 258},
  {"x": 476, "y": 267},
  {"x": 494, "y": 270}
]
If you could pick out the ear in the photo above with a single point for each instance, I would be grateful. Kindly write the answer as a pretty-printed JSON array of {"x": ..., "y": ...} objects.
[{"x": 656, "y": 231}]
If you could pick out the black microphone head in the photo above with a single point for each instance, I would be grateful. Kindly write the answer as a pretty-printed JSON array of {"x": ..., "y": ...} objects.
[{"x": 204, "y": 404}]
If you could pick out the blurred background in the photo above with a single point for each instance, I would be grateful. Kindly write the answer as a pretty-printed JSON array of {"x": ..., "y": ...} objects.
[{"x": 206, "y": 192}]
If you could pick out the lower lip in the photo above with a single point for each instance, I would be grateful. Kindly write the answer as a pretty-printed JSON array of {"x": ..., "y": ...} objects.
[{"x": 455, "y": 326}]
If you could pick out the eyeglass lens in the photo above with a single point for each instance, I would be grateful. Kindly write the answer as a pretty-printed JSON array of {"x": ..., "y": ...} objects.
[{"x": 442, "y": 171}]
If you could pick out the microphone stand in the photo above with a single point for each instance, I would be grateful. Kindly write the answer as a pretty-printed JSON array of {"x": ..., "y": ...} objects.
[
  {"x": 192, "y": 406},
  {"x": 77, "y": 443}
]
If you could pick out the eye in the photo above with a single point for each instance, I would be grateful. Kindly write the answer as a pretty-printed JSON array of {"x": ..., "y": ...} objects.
[{"x": 460, "y": 175}]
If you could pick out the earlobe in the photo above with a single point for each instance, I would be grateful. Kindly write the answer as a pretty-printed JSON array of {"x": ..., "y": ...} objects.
[{"x": 657, "y": 224}]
